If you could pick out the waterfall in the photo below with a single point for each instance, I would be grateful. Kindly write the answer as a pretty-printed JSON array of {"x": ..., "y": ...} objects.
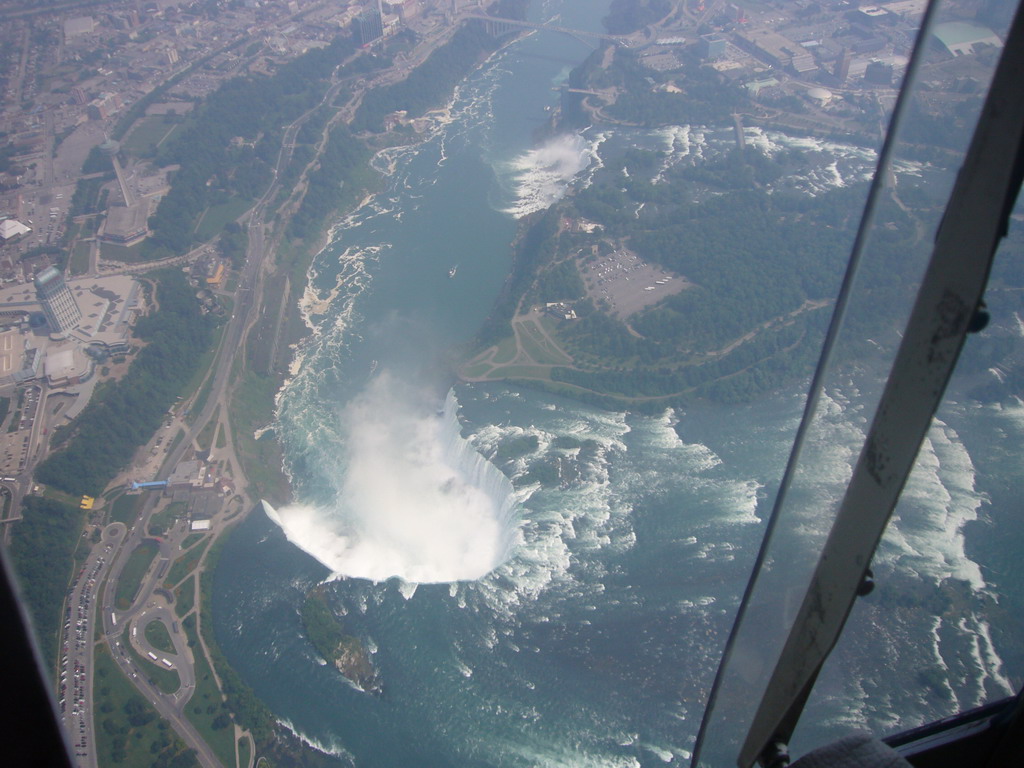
[
  {"x": 413, "y": 498},
  {"x": 478, "y": 472}
]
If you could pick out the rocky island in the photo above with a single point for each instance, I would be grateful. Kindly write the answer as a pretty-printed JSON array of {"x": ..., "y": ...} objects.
[{"x": 347, "y": 653}]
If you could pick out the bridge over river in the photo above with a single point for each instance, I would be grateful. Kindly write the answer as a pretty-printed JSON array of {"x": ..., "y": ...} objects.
[{"x": 498, "y": 25}]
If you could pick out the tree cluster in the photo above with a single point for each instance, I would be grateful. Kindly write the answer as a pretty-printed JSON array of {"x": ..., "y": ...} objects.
[
  {"x": 342, "y": 174},
  {"x": 430, "y": 84},
  {"x": 626, "y": 16},
  {"x": 213, "y": 169},
  {"x": 41, "y": 551}
]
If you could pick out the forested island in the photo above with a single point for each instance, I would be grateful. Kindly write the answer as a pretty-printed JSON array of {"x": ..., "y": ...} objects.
[{"x": 346, "y": 653}]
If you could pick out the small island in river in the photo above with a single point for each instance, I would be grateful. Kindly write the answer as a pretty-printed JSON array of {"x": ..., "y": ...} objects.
[{"x": 347, "y": 653}]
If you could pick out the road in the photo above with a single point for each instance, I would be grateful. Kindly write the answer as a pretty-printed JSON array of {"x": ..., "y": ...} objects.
[
  {"x": 146, "y": 607},
  {"x": 76, "y": 669}
]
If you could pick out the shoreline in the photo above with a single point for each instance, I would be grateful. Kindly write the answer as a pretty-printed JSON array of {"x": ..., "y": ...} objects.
[{"x": 293, "y": 258}]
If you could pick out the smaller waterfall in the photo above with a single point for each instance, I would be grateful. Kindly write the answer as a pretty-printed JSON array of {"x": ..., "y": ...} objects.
[{"x": 414, "y": 499}]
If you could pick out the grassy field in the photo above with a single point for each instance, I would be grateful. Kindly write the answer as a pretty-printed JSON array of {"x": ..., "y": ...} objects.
[
  {"x": 185, "y": 597},
  {"x": 216, "y": 217},
  {"x": 79, "y": 263},
  {"x": 162, "y": 521},
  {"x": 128, "y": 254},
  {"x": 131, "y": 577},
  {"x": 243, "y": 752},
  {"x": 506, "y": 351},
  {"x": 205, "y": 438},
  {"x": 125, "y": 509},
  {"x": 158, "y": 636},
  {"x": 148, "y": 133},
  {"x": 539, "y": 347},
  {"x": 164, "y": 679},
  {"x": 184, "y": 565},
  {"x": 251, "y": 408},
  {"x": 206, "y": 709},
  {"x": 520, "y": 372},
  {"x": 191, "y": 539},
  {"x": 128, "y": 731}
]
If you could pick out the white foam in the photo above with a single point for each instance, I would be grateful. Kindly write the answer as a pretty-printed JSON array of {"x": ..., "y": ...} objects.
[
  {"x": 332, "y": 748},
  {"x": 541, "y": 176},
  {"x": 411, "y": 502},
  {"x": 938, "y": 500}
]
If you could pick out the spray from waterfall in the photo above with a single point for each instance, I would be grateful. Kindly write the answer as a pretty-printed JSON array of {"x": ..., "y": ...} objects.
[{"x": 413, "y": 498}]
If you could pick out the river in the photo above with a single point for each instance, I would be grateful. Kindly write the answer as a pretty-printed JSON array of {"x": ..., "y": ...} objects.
[{"x": 516, "y": 622}]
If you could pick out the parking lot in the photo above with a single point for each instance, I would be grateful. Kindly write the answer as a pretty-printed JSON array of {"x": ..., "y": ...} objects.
[{"x": 628, "y": 283}]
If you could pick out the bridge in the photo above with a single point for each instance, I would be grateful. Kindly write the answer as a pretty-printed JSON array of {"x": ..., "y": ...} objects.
[{"x": 497, "y": 26}]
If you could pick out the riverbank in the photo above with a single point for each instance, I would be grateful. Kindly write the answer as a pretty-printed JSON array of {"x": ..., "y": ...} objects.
[{"x": 283, "y": 323}]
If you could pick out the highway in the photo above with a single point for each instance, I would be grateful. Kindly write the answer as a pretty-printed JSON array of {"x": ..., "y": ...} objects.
[{"x": 76, "y": 668}]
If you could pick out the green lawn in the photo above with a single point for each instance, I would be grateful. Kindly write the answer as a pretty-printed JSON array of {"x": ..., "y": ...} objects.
[
  {"x": 191, "y": 539},
  {"x": 206, "y": 709},
  {"x": 128, "y": 254},
  {"x": 125, "y": 509},
  {"x": 251, "y": 408},
  {"x": 147, "y": 134},
  {"x": 205, "y": 438},
  {"x": 185, "y": 597},
  {"x": 216, "y": 217},
  {"x": 164, "y": 679},
  {"x": 80, "y": 258},
  {"x": 243, "y": 752},
  {"x": 162, "y": 521},
  {"x": 128, "y": 731},
  {"x": 520, "y": 372},
  {"x": 539, "y": 347},
  {"x": 158, "y": 636},
  {"x": 506, "y": 351},
  {"x": 131, "y": 577},
  {"x": 184, "y": 565}
]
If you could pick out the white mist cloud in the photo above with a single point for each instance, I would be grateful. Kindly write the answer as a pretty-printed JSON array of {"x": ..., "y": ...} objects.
[
  {"x": 407, "y": 503},
  {"x": 542, "y": 175}
]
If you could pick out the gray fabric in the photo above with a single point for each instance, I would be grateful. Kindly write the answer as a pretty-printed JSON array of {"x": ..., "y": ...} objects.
[{"x": 860, "y": 750}]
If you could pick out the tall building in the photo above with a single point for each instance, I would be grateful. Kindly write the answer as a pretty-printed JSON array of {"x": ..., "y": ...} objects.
[
  {"x": 712, "y": 46},
  {"x": 62, "y": 312},
  {"x": 843, "y": 66},
  {"x": 370, "y": 26}
]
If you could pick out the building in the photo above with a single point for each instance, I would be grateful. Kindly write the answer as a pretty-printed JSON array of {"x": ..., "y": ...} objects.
[
  {"x": 776, "y": 50},
  {"x": 78, "y": 26},
  {"x": 712, "y": 47},
  {"x": 11, "y": 229},
  {"x": 105, "y": 105},
  {"x": 843, "y": 66},
  {"x": 62, "y": 312},
  {"x": 127, "y": 225},
  {"x": 67, "y": 366},
  {"x": 370, "y": 26},
  {"x": 960, "y": 38},
  {"x": 188, "y": 474}
]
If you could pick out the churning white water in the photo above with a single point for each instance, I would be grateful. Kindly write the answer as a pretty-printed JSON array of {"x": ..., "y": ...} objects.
[{"x": 414, "y": 499}]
